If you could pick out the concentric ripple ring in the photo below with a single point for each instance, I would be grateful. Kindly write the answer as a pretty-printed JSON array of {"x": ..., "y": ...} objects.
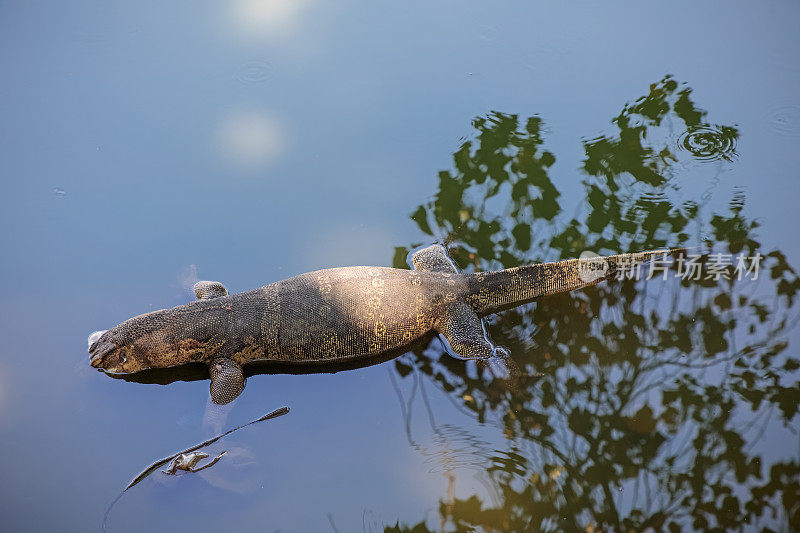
[
  {"x": 255, "y": 72},
  {"x": 709, "y": 143}
]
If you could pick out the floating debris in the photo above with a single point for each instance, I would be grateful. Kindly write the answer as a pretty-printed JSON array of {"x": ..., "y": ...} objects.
[{"x": 153, "y": 467}]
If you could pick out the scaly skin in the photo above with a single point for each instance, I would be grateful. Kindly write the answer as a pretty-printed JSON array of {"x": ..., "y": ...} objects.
[{"x": 332, "y": 315}]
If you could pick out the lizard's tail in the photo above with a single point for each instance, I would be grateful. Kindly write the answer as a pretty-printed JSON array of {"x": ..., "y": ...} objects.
[{"x": 491, "y": 292}]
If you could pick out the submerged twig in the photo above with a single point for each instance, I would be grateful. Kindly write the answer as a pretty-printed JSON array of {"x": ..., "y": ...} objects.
[
  {"x": 150, "y": 469},
  {"x": 147, "y": 471}
]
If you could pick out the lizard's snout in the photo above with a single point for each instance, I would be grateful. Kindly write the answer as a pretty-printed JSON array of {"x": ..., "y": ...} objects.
[
  {"x": 94, "y": 337},
  {"x": 99, "y": 348}
]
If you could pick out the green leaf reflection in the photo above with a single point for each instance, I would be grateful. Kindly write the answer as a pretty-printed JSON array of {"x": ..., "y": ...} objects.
[{"x": 662, "y": 388}]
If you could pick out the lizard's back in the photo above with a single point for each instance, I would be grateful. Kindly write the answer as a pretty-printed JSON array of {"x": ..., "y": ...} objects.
[{"x": 350, "y": 312}]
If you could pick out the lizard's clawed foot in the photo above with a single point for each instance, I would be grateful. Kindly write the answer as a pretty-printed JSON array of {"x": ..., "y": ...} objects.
[
  {"x": 501, "y": 352},
  {"x": 500, "y": 367}
]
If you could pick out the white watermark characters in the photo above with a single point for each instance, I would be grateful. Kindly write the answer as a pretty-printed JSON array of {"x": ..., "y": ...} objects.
[
  {"x": 687, "y": 266},
  {"x": 591, "y": 267}
]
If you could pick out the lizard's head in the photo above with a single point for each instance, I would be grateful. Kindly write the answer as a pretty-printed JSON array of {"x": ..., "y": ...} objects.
[
  {"x": 112, "y": 350},
  {"x": 152, "y": 340}
]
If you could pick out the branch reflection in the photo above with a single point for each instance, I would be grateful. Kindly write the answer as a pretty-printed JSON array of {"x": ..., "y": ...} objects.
[{"x": 662, "y": 387}]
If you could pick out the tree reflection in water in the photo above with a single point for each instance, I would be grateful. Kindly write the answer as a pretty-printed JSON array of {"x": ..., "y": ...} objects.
[{"x": 662, "y": 387}]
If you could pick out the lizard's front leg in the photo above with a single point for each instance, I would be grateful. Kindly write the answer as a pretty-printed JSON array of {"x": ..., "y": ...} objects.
[
  {"x": 205, "y": 290},
  {"x": 227, "y": 380}
]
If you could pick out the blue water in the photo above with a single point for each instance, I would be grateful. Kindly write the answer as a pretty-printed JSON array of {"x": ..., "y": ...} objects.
[{"x": 148, "y": 145}]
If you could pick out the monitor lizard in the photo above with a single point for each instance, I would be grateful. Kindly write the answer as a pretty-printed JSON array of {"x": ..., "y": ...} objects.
[{"x": 339, "y": 314}]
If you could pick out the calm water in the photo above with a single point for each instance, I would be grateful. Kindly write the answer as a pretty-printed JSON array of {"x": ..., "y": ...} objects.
[{"x": 144, "y": 147}]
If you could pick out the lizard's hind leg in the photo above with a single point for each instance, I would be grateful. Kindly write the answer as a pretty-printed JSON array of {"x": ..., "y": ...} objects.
[
  {"x": 462, "y": 329},
  {"x": 467, "y": 339}
]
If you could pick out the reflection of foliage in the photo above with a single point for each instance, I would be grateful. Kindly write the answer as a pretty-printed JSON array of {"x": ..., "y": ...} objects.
[
  {"x": 662, "y": 388},
  {"x": 631, "y": 171},
  {"x": 506, "y": 159}
]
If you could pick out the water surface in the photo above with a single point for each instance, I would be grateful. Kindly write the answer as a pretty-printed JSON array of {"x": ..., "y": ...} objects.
[{"x": 146, "y": 147}]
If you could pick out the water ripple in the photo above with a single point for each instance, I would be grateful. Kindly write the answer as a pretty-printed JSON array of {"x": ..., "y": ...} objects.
[
  {"x": 656, "y": 197},
  {"x": 255, "y": 72},
  {"x": 784, "y": 120},
  {"x": 709, "y": 143}
]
